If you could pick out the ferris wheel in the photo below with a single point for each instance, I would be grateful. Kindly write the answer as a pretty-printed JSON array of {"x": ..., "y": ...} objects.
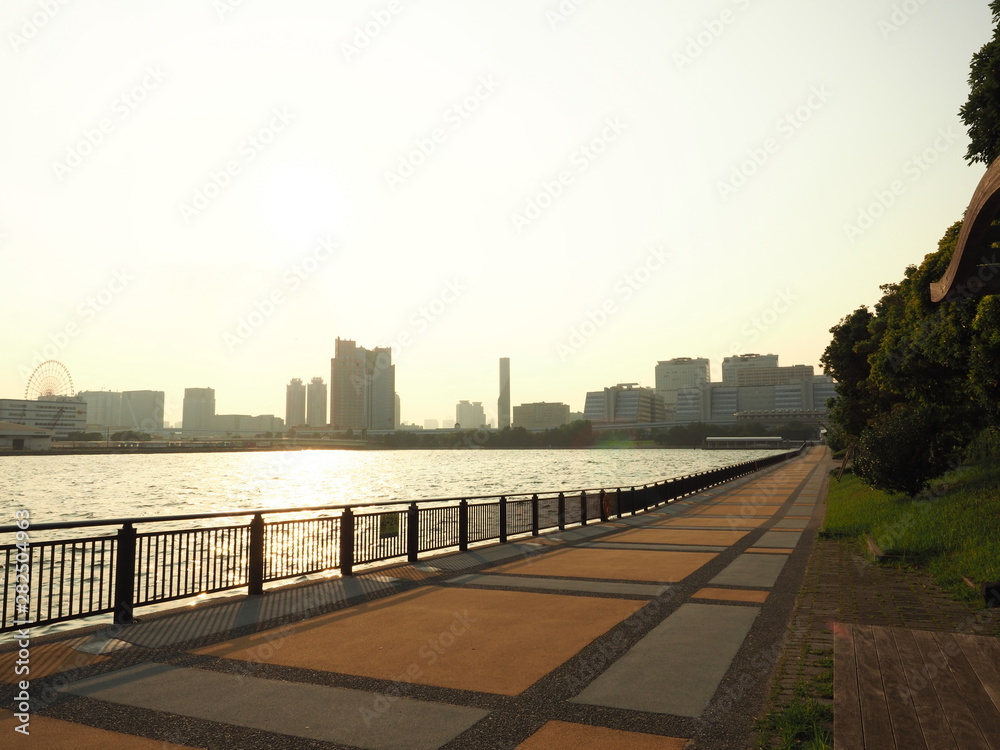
[{"x": 51, "y": 378}]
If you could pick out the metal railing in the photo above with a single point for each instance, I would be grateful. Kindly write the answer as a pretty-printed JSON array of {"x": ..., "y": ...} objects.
[{"x": 52, "y": 581}]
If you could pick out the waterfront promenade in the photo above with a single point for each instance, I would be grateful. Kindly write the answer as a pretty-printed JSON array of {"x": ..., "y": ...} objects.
[{"x": 658, "y": 630}]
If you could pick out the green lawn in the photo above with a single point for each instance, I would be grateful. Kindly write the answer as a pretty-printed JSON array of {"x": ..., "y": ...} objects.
[{"x": 952, "y": 530}]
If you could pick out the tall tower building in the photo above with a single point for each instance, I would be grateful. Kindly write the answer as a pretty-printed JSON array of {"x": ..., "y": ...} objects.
[
  {"x": 142, "y": 410},
  {"x": 731, "y": 366},
  {"x": 362, "y": 387},
  {"x": 677, "y": 373},
  {"x": 503, "y": 403},
  {"x": 199, "y": 409},
  {"x": 316, "y": 416},
  {"x": 295, "y": 403}
]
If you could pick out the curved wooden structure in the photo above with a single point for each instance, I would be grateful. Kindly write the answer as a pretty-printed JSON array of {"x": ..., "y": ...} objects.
[{"x": 974, "y": 270}]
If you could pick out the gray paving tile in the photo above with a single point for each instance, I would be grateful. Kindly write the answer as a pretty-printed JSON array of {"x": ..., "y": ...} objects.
[
  {"x": 677, "y": 668},
  {"x": 778, "y": 539},
  {"x": 319, "y": 712},
  {"x": 791, "y": 523},
  {"x": 560, "y": 584},
  {"x": 748, "y": 569}
]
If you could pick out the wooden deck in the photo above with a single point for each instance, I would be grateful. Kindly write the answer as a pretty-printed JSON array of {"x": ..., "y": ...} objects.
[{"x": 898, "y": 688}]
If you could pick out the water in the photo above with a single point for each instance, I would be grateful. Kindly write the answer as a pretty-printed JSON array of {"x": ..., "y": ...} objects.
[{"x": 67, "y": 488}]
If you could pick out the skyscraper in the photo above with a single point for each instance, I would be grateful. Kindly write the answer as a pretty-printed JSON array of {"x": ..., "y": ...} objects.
[
  {"x": 362, "y": 387},
  {"x": 142, "y": 410},
  {"x": 317, "y": 403},
  {"x": 295, "y": 403},
  {"x": 503, "y": 403},
  {"x": 677, "y": 373},
  {"x": 199, "y": 409}
]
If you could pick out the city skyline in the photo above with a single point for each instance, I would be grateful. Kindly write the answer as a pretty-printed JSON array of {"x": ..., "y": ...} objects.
[{"x": 215, "y": 197}]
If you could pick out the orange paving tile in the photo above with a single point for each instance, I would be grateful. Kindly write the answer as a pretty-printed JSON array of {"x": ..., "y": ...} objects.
[
  {"x": 734, "y": 510},
  {"x": 681, "y": 536},
  {"x": 732, "y": 595},
  {"x": 656, "y": 566},
  {"x": 562, "y": 735},
  {"x": 772, "y": 550},
  {"x": 763, "y": 507},
  {"x": 54, "y": 733},
  {"x": 467, "y": 639},
  {"x": 738, "y": 523},
  {"x": 45, "y": 660}
]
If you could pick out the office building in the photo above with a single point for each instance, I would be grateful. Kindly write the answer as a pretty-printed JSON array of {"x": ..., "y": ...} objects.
[
  {"x": 470, "y": 415},
  {"x": 246, "y": 425},
  {"x": 104, "y": 409},
  {"x": 541, "y": 416},
  {"x": 316, "y": 414},
  {"x": 680, "y": 372},
  {"x": 199, "y": 410},
  {"x": 59, "y": 414},
  {"x": 503, "y": 403},
  {"x": 739, "y": 362},
  {"x": 362, "y": 387},
  {"x": 295, "y": 403},
  {"x": 625, "y": 403},
  {"x": 430, "y": 424},
  {"x": 142, "y": 410}
]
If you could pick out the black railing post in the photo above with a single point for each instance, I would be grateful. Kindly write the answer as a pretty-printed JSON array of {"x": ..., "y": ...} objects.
[
  {"x": 412, "y": 532},
  {"x": 502, "y": 510},
  {"x": 631, "y": 501},
  {"x": 534, "y": 515},
  {"x": 562, "y": 511},
  {"x": 618, "y": 501},
  {"x": 125, "y": 575},
  {"x": 583, "y": 508},
  {"x": 463, "y": 525},
  {"x": 255, "y": 559},
  {"x": 347, "y": 542},
  {"x": 604, "y": 507}
]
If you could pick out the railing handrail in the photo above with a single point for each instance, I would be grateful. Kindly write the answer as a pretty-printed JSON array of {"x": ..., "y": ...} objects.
[{"x": 47, "y": 526}]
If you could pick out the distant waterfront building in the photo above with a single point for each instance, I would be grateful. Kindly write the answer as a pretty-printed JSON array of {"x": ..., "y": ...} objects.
[
  {"x": 316, "y": 416},
  {"x": 362, "y": 387},
  {"x": 625, "y": 403},
  {"x": 541, "y": 416},
  {"x": 142, "y": 410},
  {"x": 680, "y": 372},
  {"x": 397, "y": 412},
  {"x": 503, "y": 403},
  {"x": 104, "y": 409},
  {"x": 19, "y": 437},
  {"x": 199, "y": 410},
  {"x": 470, "y": 415},
  {"x": 731, "y": 366},
  {"x": 295, "y": 403},
  {"x": 430, "y": 424},
  {"x": 244, "y": 424},
  {"x": 59, "y": 414},
  {"x": 777, "y": 393}
]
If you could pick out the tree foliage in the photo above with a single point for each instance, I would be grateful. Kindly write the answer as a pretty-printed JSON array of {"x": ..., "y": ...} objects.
[{"x": 981, "y": 113}]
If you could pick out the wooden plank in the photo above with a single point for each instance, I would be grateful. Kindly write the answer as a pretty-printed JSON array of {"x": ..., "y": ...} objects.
[
  {"x": 937, "y": 733},
  {"x": 953, "y": 706},
  {"x": 847, "y": 733},
  {"x": 983, "y": 654},
  {"x": 902, "y": 715},
  {"x": 874, "y": 710},
  {"x": 971, "y": 690}
]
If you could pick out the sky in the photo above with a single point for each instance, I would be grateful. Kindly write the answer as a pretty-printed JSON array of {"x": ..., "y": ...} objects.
[{"x": 208, "y": 193}]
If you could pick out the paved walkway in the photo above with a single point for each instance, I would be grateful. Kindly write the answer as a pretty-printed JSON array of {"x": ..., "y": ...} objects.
[{"x": 648, "y": 632}]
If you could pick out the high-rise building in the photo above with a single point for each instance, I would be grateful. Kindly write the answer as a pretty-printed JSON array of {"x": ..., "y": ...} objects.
[
  {"x": 199, "y": 410},
  {"x": 104, "y": 409},
  {"x": 362, "y": 387},
  {"x": 397, "y": 412},
  {"x": 295, "y": 403},
  {"x": 142, "y": 410},
  {"x": 316, "y": 416},
  {"x": 625, "y": 403},
  {"x": 541, "y": 416},
  {"x": 677, "y": 373},
  {"x": 738, "y": 362},
  {"x": 503, "y": 403},
  {"x": 470, "y": 415}
]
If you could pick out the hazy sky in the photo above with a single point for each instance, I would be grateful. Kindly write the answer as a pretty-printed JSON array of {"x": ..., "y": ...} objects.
[{"x": 209, "y": 192}]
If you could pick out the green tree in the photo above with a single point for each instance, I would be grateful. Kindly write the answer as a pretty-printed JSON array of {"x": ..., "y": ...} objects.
[{"x": 981, "y": 113}]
